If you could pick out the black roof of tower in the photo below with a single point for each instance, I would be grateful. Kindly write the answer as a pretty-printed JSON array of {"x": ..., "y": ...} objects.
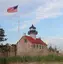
[{"x": 32, "y": 27}]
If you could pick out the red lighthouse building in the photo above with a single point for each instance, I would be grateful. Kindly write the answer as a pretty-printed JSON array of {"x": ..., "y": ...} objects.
[{"x": 31, "y": 45}]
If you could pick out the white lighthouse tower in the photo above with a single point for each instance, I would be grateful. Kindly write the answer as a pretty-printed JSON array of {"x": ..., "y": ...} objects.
[{"x": 32, "y": 32}]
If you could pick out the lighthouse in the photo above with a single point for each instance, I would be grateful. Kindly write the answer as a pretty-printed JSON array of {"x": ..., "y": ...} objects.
[
  {"x": 31, "y": 44},
  {"x": 32, "y": 31}
]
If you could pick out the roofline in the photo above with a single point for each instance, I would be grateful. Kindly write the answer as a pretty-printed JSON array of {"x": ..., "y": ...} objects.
[
  {"x": 20, "y": 39},
  {"x": 29, "y": 41}
]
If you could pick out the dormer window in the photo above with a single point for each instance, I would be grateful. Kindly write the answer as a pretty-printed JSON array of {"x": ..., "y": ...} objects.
[{"x": 25, "y": 40}]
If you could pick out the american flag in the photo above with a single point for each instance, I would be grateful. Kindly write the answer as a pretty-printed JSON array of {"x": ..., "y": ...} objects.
[{"x": 12, "y": 9}]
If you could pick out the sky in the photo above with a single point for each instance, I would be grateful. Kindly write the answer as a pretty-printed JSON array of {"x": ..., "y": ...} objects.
[{"x": 45, "y": 15}]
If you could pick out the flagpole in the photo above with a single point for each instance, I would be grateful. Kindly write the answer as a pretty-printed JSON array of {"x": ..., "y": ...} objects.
[
  {"x": 19, "y": 27},
  {"x": 13, "y": 10}
]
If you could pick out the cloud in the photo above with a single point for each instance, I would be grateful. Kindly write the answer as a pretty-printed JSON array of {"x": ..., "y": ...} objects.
[
  {"x": 32, "y": 11},
  {"x": 23, "y": 26},
  {"x": 44, "y": 9},
  {"x": 17, "y": 28},
  {"x": 41, "y": 8},
  {"x": 54, "y": 42},
  {"x": 4, "y": 5},
  {"x": 49, "y": 10}
]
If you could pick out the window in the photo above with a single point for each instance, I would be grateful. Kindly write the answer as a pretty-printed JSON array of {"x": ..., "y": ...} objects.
[
  {"x": 34, "y": 46},
  {"x": 25, "y": 40},
  {"x": 40, "y": 46},
  {"x": 37, "y": 45}
]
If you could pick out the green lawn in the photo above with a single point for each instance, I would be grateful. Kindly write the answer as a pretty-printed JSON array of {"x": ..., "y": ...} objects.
[{"x": 50, "y": 59}]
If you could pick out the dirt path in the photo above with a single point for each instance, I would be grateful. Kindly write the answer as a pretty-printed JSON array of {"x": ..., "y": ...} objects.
[{"x": 39, "y": 63}]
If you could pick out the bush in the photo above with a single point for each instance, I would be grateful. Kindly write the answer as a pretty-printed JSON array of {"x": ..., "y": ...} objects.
[{"x": 3, "y": 61}]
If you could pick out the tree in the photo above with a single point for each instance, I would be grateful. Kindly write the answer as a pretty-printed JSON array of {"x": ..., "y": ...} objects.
[
  {"x": 2, "y": 35},
  {"x": 51, "y": 49},
  {"x": 3, "y": 48}
]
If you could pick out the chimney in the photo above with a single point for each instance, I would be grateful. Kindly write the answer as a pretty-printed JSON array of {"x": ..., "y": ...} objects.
[
  {"x": 24, "y": 34},
  {"x": 40, "y": 38}
]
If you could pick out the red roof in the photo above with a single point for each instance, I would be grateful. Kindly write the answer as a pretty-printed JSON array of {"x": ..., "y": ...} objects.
[{"x": 35, "y": 41}]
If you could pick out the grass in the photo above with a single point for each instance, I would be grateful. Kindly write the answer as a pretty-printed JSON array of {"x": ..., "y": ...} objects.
[{"x": 49, "y": 58}]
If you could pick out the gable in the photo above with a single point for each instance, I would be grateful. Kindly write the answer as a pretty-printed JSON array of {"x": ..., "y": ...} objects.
[
  {"x": 32, "y": 40},
  {"x": 35, "y": 41}
]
